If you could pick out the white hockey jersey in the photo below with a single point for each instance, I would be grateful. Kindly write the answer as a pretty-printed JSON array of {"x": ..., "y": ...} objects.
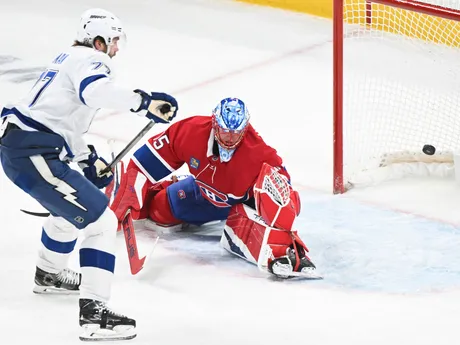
[{"x": 67, "y": 95}]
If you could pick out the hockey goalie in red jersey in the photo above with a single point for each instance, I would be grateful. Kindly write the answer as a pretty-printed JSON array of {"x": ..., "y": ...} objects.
[{"x": 235, "y": 176}]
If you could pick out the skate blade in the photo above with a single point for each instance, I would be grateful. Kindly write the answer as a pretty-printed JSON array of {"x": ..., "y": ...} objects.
[
  {"x": 283, "y": 272},
  {"x": 306, "y": 274},
  {"x": 51, "y": 290},
  {"x": 93, "y": 332}
]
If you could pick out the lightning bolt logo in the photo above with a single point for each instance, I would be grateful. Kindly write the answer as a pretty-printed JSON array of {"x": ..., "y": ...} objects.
[
  {"x": 60, "y": 185},
  {"x": 67, "y": 191}
]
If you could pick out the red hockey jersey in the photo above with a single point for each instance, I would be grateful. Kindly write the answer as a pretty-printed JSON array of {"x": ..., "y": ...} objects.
[{"x": 191, "y": 141}]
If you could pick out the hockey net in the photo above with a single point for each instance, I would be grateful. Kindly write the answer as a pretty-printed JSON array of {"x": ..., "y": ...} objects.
[{"x": 396, "y": 88}]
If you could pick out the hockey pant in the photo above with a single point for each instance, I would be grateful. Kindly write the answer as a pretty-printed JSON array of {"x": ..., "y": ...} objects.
[{"x": 31, "y": 161}]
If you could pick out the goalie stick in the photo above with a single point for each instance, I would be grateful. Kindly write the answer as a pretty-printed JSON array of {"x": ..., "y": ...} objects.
[{"x": 135, "y": 263}]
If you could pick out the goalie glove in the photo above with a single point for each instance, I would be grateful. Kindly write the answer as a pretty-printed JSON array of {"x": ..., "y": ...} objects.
[
  {"x": 131, "y": 193},
  {"x": 135, "y": 193}
]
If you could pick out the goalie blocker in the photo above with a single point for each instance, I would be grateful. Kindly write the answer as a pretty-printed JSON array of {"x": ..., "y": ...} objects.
[{"x": 262, "y": 236}]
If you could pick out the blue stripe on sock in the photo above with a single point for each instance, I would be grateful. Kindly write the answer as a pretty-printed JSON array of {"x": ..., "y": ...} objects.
[
  {"x": 56, "y": 246},
  {"x": 90, "y": 257}
]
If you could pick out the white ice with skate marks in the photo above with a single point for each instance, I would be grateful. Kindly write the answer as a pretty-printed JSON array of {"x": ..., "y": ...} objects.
[
  {"x": 192, "y": 293},
  {"x": 354, "y": 246}
]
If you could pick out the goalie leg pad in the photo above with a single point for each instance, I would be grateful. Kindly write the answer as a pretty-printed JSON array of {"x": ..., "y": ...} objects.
[
  {"x": 247, "y": 236},
  {"x": 276, "y": 201}
]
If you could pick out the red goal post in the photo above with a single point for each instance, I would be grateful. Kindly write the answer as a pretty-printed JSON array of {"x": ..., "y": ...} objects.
[{"x": 396, "y": 70}]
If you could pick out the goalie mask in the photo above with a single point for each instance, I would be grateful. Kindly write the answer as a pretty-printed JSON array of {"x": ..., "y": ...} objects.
[
  {"x": 230, "y": 120},
  {"x": 100, "y": 23}
]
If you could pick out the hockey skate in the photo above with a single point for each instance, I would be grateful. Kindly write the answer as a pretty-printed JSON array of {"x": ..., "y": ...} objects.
[
  {"x": 98, "y": 322},
  {"x": 64, "y": 282},
  {"x": 286, "y": 266}
]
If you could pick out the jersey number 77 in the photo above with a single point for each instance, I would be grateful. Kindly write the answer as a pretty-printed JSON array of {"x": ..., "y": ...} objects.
[{"x": 41, "y": 84}]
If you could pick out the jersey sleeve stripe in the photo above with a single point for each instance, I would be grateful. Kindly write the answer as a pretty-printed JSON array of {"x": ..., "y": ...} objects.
[
  {"x": 150, "y": 163},
  {"x": 161, "y": 159},
  {"x": 142, "y": 169},
  {"x": 85, "y": 82}
]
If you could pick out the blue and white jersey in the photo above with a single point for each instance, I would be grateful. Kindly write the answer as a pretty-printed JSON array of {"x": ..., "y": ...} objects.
[{"x": 67, "y": 95}]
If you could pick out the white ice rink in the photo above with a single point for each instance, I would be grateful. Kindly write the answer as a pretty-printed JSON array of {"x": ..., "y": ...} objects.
[{"x": 390, "y": 254}]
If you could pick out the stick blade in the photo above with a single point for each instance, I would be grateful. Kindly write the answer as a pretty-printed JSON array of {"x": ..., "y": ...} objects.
[{"x": 136, "y": 265}]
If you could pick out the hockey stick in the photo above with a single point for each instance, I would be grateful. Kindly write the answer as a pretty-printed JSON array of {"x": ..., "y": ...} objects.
[
  {"x": 135, "y": 263},
  {"x": 36, "y": 214},
  {"x": 109, "y": 167},
  {"x": 128, "y": 147}
]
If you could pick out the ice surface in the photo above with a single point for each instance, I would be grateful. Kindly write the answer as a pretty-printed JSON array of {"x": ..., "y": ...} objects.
[{"x": 389, "y": 253}]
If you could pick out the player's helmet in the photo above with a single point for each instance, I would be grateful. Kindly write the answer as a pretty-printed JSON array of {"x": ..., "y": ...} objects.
[
  {"x": 230, "y": 120},
  {"x": 98, "y": 22}
]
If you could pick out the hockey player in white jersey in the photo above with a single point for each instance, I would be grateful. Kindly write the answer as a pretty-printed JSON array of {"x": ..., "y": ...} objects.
[{"x": 42, "y": 133}]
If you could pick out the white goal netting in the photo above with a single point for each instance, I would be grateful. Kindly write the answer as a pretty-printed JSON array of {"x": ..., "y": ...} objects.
[{"x": 401, "y": 88}]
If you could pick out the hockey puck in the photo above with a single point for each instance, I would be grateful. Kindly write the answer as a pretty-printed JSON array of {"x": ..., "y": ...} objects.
[
  {"x": 165, "y": 108},
  {"x": 429, "y": 150}
]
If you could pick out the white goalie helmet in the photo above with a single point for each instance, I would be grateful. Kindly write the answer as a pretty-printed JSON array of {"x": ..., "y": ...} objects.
[{"x": 98, "y": 22}]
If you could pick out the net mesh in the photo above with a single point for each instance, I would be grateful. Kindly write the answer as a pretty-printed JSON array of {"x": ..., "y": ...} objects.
[{"x": 401, "y": 85}]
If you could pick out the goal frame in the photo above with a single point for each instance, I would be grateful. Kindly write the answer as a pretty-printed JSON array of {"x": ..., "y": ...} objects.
[{"x": 338, "y": 38}]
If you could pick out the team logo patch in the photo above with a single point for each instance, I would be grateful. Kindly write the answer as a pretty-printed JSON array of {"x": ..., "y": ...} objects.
[
  {"x": 194, "y": 163},
  {"x": 181, "y": 194},
  {"x": 215, "y": 197}
]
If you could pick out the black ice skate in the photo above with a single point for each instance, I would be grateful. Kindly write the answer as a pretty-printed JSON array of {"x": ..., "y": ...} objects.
[
  {"x": 285, "y": 267},
  {"x": 64, "y": 282},
  {"x": 100, "y": 323}
]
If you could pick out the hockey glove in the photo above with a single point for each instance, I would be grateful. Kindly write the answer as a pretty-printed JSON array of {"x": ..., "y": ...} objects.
[
  {"x": 158, "y": 107},
  {"x": 91, "y": 169}
]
